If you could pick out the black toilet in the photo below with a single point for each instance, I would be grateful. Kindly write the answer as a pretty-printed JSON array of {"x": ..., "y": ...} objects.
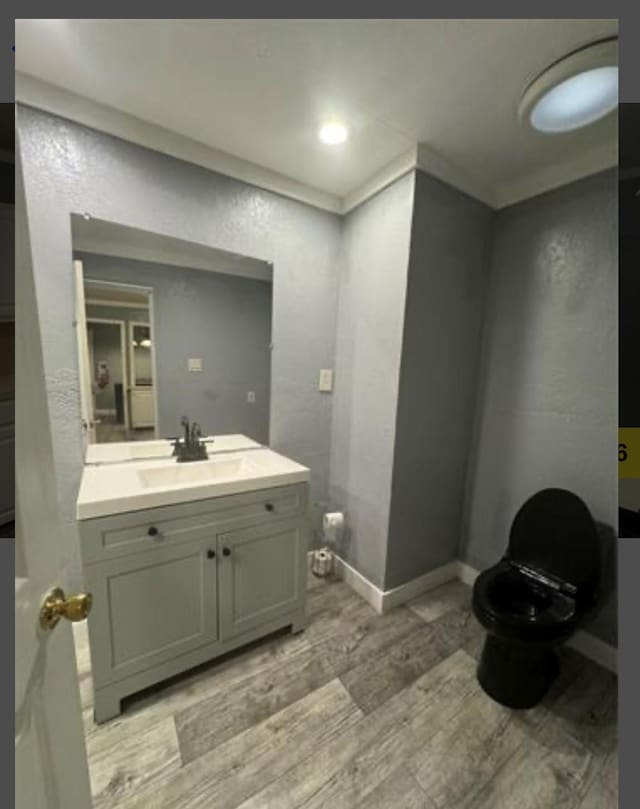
[{"x": 536, "y": 596}]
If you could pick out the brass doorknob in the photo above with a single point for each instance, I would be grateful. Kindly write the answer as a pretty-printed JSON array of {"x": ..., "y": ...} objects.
[{"x": 56, "y": 606}]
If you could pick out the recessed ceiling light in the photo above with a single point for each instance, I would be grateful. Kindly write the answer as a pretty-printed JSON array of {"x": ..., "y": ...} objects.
[
  {"x": 333, "y": 133},
  {"x": 575, "y": 91}
]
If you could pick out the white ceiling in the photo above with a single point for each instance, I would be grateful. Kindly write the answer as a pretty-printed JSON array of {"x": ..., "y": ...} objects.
[{"x": 258, "y": 89}]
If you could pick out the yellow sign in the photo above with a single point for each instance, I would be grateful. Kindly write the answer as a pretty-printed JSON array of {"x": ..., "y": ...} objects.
[{"x": 629, "y": 452}]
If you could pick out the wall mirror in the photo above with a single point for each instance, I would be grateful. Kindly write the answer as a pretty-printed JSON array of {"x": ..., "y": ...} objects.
[{"x": 168, "y": 328}]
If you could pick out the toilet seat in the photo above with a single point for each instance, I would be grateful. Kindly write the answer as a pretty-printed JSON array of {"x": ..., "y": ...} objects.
[{"x": 512, "y": 604}]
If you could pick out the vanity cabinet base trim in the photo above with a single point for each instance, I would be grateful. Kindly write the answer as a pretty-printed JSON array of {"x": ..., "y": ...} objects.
[{"x": 107, "y": 698}]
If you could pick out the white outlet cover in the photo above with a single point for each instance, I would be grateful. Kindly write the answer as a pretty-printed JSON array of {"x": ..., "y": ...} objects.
[
  {"x": 325, "y": 380},
  {"x": 194, "y": 364},
  {"x": 251, "y": 396}
]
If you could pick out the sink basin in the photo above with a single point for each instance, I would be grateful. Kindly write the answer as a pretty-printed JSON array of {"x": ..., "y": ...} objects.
[
  {"x": 109, "y": 488},
  {"x": 180, "y": 474}
]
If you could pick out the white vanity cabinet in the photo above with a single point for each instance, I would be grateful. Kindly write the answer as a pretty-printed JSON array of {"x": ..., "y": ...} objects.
[
  {"x": 177, "y": 585},
  {"x": 141, "y": 407}
]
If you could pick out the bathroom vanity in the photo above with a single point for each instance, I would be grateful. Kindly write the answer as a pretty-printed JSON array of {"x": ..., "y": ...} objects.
[{"x": 188, "y": 561}]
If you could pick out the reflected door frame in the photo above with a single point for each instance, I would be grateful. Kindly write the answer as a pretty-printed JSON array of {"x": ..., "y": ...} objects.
[{"x": 123, "y": 361}]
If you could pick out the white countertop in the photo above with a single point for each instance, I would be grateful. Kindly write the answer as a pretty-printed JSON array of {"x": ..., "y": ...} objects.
[
  {"x": 115, "y": 488},
  {"x": 120, "y": 451}
]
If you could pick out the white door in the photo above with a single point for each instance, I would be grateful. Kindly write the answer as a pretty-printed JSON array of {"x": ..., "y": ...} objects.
[
  {"x": 50, "y": 757},
  {"x": 84, "y": 364}
]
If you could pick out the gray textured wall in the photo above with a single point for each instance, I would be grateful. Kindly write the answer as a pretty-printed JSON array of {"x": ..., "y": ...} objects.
[
  {"x": 223, "y": 319},
  {"x": 368, "y": 348},
  {"x": 69, "y": 168},
  {"x": 447, "y": 281},
  {"x": 547, "y": 405}
]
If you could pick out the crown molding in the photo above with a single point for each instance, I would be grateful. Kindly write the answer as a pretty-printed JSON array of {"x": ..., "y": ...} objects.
[
  {"x": 420, "y": 158},
  {"x": 433, "y": 163},
  {"x": 33, "y": 92},
  {"x": 406, "y": 162},
  {"x": 423, "y": 158},
  {"x": 583, "y": 165}
]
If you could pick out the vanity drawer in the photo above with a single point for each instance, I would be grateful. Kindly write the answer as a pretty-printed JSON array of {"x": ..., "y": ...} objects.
[{"x": 147, "y": 530}]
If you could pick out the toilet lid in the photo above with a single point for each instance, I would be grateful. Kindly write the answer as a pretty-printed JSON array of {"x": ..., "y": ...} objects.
[{"x": 555, "y": 533}]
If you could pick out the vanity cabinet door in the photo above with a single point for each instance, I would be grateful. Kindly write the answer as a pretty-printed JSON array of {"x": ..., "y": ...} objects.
[
  {"x": 151, "y": 607},
  {"x": 261, "y": 574}
]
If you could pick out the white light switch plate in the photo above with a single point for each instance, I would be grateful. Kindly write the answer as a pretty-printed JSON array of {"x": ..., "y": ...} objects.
[
  {"x": 251, "y": 396},
  {"x": 194, "y": 364},
  {"x": 325, "y": 380}
]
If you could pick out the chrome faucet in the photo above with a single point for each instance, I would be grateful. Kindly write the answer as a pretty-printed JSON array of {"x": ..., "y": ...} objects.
[{"x": 191, "y": 447}]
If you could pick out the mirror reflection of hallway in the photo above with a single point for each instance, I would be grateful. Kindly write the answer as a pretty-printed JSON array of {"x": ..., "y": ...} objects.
[
  {"x": 119, "y": 338},
  {"x": 197, "y": 335}
]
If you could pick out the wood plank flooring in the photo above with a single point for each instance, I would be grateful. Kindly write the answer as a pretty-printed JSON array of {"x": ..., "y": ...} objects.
[
  {"x": 108, "y": 430},
  {"x": 360, "y": 710}
]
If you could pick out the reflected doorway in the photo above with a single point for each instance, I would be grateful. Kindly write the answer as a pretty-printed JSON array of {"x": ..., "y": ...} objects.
[{"x": 121, "y": 363}]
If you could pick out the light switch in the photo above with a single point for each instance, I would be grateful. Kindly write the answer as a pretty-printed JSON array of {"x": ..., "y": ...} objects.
[
  {"x": 251, "y": 396},
  {"x": 194, "y": 364},
  {"x": 325, "y": 380}
]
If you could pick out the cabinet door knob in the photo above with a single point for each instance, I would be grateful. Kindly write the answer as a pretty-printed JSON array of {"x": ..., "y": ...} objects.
[
  {"x": 153, "y": 531},
  {"x": 226, "y": 551},
  {"x": 211, "y": 554},
  {"x": 269, "y": 506}
]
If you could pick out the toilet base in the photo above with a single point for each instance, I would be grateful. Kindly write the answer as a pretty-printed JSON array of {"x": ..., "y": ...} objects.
[{"x": 514, "y": 674}]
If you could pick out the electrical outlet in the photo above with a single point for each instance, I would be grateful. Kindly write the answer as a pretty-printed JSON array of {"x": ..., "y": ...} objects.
[
  {"x": 251, "y": 397},
  {"x": 194, "y": 364}
]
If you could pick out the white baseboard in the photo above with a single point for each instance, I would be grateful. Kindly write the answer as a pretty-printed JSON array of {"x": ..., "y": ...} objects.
[
  {"x": 467, "y": 574},
  {"x": 595, "y": 649},
  {"x": 363, "y": 587},
  {"x": 384, "y": 600},
  {"x": 416, "y": 587}
]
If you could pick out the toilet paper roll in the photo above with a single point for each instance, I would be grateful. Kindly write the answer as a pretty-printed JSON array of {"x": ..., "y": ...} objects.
[
  {"x": 332, "y": 525},
  {"x": 322, "y": 562}
]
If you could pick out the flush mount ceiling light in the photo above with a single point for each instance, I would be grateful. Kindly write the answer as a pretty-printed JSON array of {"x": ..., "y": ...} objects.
[
  {"x": 574, "y": 91},
  {"x": 332, "y": 133}
]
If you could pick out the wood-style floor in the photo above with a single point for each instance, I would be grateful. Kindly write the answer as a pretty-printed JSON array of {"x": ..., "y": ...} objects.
[
  {"x": 108, "y": 431},
  {"x": 360, "y": 710}
]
